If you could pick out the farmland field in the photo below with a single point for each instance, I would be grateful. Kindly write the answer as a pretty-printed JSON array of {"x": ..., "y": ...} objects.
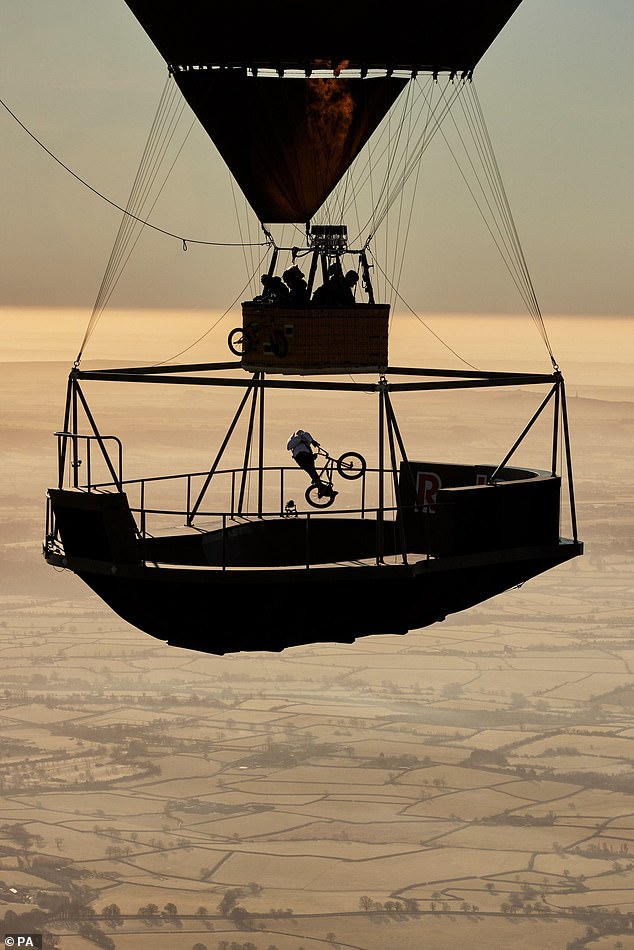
[{"x": 468, "y": 784}]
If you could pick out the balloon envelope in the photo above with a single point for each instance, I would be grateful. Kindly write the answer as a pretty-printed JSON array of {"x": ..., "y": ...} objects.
[{"x": 289, "y": 137}]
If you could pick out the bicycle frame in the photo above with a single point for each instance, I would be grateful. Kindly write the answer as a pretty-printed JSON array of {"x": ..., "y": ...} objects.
[{"x": 327, "y": 467}]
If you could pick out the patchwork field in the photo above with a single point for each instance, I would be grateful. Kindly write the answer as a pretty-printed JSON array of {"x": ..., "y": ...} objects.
[{"x": 467, "y": 784}]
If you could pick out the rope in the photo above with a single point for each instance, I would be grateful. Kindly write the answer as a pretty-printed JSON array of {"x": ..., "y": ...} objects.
[
  {"x": 500, "y": 224},
  {"x": 486, "y": 188},
  {"x": 161, "y": 137},
  {"x": 398, "y": 272},
  {"x": 429, "y": 129},
  {"x": 95, "y": 191},
  {"x": 538, "y": 313},
  {"x": 398, "y": 170},
  {"x": 420, "y": 320},
  {"x": 220, "y": 318}
]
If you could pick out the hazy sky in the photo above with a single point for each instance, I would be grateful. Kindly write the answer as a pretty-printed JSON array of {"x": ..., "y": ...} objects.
[{"x": 556, "y": 87}]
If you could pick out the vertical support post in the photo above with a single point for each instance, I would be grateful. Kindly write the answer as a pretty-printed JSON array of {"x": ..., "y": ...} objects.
[
  {"x": 381, "y": 443},
  {"x": 425, "y": 520},
  {"x": 261, "y": 453},
  {"x": 221, "y": 450},
  {"x": 75, "y": 453},
  {"x": 248, "y": 443},
  {"x": 116, "y": 478},
  {"x": 312, "y": 271},
  {"x": 271, "y": 270},
  {"x": 571, "y": 491},
  {"x": 324, "y": 267},
  {"x": 391, "y": 427},
  {"x": 553, "y": 467},
  {"x": 142, "y": 501},
  {"x": 63, "y": 441}
]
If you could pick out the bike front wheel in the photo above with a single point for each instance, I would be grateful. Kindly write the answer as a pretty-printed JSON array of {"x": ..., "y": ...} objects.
[
  {"x": 313, "y": 497},
  {"x": 351, "y": 465},
  {"x": 241, "y": 339},
  {"x": 236, "y": 342}
]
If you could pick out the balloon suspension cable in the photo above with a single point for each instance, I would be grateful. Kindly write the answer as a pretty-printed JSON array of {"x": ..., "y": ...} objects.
[
  {"x": 486, "y": 187},
  {"x": 146, "y": 190},
  {"x": 421, "y": 321},
  {"x": 213, "y": 326},
  {"x": 114, "y": 204},
  {"x": 161, "y": 134}
]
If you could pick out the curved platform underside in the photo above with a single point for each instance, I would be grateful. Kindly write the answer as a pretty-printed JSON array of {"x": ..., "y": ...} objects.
[{"x": 226, "y": 611}]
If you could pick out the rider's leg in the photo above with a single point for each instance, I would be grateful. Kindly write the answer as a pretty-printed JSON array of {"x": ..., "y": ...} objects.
[{"x": 306, "y": 460}]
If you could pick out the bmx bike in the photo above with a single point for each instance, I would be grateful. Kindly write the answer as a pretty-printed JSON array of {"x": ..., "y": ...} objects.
[
  {"x": 243, "y": 340},
  {"x": 350, "y": 466}
]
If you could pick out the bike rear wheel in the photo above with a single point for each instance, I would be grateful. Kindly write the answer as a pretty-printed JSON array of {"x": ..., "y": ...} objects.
[
  {"x": 313, "y": 498},
  {"x": 351, "y": 465}
]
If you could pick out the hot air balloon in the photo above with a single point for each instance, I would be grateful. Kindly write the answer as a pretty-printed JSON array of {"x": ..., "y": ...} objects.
[{"x": 291, "y": 97}]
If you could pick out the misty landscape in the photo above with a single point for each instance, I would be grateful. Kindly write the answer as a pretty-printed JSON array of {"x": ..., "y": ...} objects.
[{"x": 469, "y": 782}]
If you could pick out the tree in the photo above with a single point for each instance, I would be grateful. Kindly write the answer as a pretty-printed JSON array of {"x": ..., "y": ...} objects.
[
  {"x": 199, "y": 946},
  {"x": 516, "y": 902},
  {"x": 149, "y": 913},
  {"x": 240, "y": 915},
  {"x": 229, "y": 900},
  {"x": 90, "y": 932},
  {"x": 365, "y": 903},
  {"x": 112, "y": 913}
]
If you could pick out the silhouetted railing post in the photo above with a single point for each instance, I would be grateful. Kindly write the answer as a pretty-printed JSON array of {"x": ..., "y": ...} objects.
[
  {"x": 379, "y": 514},
  {"x": 556, "y": 411},
  {"x": 142, "y": 503},
  {"x": 571, "y": 490}
]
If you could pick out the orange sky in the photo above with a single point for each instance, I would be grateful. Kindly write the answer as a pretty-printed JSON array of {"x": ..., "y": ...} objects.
[{"x": 555, "y": 87}]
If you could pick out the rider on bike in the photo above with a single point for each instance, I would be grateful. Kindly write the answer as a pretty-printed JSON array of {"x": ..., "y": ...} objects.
[{"x": 299, "y": 445}]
